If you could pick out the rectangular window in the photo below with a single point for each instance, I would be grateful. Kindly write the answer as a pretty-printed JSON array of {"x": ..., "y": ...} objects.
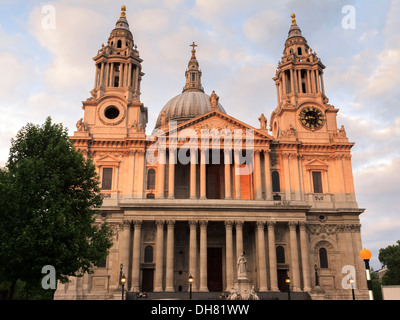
[
  {"x": 107, "y": 179},
  {"x": 317, "y": 181}
]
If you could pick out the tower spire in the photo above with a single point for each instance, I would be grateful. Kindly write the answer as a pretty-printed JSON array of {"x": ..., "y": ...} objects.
[{"x": 193, "y": 73}]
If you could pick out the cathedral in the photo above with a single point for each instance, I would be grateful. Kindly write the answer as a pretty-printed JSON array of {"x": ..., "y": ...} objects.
[{"x": 202, "y": 189}]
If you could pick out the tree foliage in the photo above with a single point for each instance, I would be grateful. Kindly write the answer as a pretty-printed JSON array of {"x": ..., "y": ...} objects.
[
  {"x": 48, "y": 196},
  {"x": 390, "y": 258}
]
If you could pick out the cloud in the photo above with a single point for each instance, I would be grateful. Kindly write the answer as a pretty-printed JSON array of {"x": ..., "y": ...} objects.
[{"x": 69, "y": 44}]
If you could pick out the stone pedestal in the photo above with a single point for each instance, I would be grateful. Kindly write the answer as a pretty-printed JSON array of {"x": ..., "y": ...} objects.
[{"x": 242, "y": 289}]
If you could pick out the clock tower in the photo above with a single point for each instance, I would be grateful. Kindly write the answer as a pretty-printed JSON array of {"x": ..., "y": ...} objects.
[
  {"x": 309, "y": 150},
  {"x": 302, "y": 107}
]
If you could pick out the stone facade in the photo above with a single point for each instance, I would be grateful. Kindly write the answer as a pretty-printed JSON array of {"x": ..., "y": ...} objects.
[{"x": 181, "y": 206}]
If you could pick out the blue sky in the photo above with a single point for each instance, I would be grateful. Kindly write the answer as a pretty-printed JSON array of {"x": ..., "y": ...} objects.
[{"x": 49, "y": 72}]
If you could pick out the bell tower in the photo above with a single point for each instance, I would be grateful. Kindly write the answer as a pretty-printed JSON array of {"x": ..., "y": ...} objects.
[
  {"x": 114, "y": 108},
  {"x": 302, "y": 106}
]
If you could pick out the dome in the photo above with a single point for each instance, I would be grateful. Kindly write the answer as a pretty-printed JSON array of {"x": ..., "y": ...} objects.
[{"x": 185, "y": 106}]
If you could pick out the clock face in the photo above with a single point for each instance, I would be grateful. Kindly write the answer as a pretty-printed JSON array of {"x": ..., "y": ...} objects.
[{"x": 312, "y": 118}]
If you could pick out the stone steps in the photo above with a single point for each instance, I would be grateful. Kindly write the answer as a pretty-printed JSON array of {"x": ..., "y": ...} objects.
[{"x": 216, "y": 296}]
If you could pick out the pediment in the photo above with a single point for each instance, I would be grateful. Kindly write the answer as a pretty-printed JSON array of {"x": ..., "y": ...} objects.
[
  {"x": 107, "y": 160},
  {"x": 216, "y": 122},
  {"x": 316, "y": 165}
]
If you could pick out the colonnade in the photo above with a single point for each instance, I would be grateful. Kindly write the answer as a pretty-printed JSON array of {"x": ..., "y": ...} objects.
[
  {"x": 229, "y": 179},
  {"x": 267, "y": 279}
]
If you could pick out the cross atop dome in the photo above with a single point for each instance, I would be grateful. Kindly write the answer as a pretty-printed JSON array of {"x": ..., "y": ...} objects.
[{"x": 193, "y": 45}]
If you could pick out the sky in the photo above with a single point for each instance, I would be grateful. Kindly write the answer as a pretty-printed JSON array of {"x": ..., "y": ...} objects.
[{"x": 46, "y": 51}]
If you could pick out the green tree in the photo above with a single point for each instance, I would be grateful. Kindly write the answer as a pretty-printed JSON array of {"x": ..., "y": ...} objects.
[
  {"x": 390, "y": 258},
  {"x": 49, "y": 194}
]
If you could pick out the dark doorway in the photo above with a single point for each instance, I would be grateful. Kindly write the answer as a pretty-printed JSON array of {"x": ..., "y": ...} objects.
[
  {"x": 282, "y": 275},
  {"x": 182, "y": 181},
  {"x": 214, "y": 269},
  {"x": 147, "y": 280},
  {"x": 213, "y": 181}
]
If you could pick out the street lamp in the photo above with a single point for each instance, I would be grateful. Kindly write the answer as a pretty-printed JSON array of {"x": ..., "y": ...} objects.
[
  {"x": 352, "y": 281},
  {"x": 365, "y": 254},
  {"x": 190, "y": 286},
  {"x": 287, "y": 280},
  {"x": 123, "y": 280}
]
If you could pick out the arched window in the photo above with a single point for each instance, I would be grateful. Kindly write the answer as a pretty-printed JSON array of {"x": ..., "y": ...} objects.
[
  {"x": 151, "y": 179},
  {"x": 323, "y": 258},
  {"x": 148, "y": 254},
  {"x": 276, "y": 186},
  {"x": 280, "y": 254},
  {"x": 299, "y": 51},
  {"x": 119, "y": 44}
]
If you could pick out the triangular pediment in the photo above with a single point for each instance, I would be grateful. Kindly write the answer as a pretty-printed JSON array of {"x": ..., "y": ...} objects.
[
  {"x": 107, "y": 160},
  {"x": 316, "y": 165},
  {"x": 214, "y": 122}
]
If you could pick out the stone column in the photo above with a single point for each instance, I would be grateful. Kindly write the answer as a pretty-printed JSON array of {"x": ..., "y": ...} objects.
[
  {"x": 257, "y": 173},
  {"x": 193, "y": 163},
  {"x": 239, "y": 238},
  {"x": 229, "y": 255},
  {"x": 112, "y": 75},
  {"x": 137, "y": 244},
  {"x": 129, "y": 84},
  {"x": 272, "y": 256},
  {"x": 262, "y": 268},
  {"x": 322, "y": 83},
  {"x": 193, "y": 252},
  {"x": 237, "y": 175},
  {"x": 124, "y": 240},
  {"x": 106, "y": 77},
  {"x": 161, "y": 173},
  {"x": 277, "y": 94},
  {"x": 139, "y": 173},
  {"x": 169, "y": 277},
  {"x": 171, "y": 174},
  {"x": 203, "y": 256},
  {"x": 295, "y": 175},
  {"x": 227, "y": 161},
  {"x": 96, "y": 77},
  {"x": 159, "y": 256},
  {"x": 292, "y": 80},
  {"x": 294, "y": 256},
  {"x": 268, "y": 184},
  {"x": 121, "y": 75},
  {"x": 203, "y": 174},
  {"x": 305, "y": 257},
  {"x": 318, "y": 81},
  {"x": 286, "y": 173}
]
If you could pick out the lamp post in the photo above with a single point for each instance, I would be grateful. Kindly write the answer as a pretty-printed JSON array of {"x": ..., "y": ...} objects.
[
  {"x": 190, "y": 287},
  {"x": 287, "y": 280},
  {"x": 352, "y": 281},
  {"x": 123, "y": 280},
  {"x": 365, "y": 254}
]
